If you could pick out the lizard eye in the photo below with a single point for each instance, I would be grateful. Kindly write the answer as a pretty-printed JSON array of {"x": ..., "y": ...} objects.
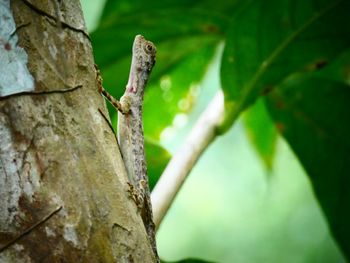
[{"x": 148, "y": 48}]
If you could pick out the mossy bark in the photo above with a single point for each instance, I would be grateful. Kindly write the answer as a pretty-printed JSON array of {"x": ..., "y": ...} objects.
[{"x": 63, "y": 185}]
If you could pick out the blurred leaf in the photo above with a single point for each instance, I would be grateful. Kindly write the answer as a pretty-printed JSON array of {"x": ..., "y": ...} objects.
[
  {"x": 313, "y": 115},
  {"x": 157, "y": 159},
  {"x": 270, "y": 40},
  {"x": 219, "y": 7},
  {"x": 113, "y": 39},
  {"x": 126, "y": 6},
  {"x": 261, "y": 131}
]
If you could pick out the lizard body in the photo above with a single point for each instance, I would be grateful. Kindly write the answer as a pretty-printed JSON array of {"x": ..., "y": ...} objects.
[{"x": 130, "y": 129}]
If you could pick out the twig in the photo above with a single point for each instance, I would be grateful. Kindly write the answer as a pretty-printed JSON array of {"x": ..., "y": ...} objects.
[
  {"x": 23, "y": 93},
  {"x": 18, "y": 28},
  {"x": 106, "y": 119},
  {"x": 109, "y": 124},
  {"x": 179, "y": 167},
  {"x": 26, "y": 231}
]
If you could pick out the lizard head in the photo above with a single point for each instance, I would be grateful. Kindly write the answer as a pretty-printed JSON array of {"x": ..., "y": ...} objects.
[
  {"x": 145, "y": 53},
  {"x": 143, "y": 60}
]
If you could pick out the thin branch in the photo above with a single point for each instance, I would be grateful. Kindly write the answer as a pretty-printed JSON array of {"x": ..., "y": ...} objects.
[
  {"x": 26, "y": 231},
  {"x": 25, "y": 93},
  {"x": 109, "y": 124},
  {"x": 181, "y": 164}
]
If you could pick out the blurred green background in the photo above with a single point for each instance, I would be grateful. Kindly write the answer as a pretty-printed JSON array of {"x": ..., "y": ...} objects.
[{"x": 250, "y": 198}]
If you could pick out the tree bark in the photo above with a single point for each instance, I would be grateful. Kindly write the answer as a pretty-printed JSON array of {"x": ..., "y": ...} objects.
[{"x": 62, "y": 179}]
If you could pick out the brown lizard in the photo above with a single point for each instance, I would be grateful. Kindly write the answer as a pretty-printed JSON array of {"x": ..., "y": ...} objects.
[{"x": 130, "y": 129}]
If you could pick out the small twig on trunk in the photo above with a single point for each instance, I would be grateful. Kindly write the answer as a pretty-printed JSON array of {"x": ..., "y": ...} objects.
[
  {"x": 26, "y": 231},
  {"x": 29, "y": 93}
]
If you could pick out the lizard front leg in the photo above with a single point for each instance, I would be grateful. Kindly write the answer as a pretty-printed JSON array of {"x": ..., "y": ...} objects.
[{"x": 125, "y": 101}]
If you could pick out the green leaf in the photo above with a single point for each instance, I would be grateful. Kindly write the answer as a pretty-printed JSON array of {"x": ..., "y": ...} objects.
[
  {"x": 270, "y": 40},
  {"x": 261, "y": 131},
  {"x": 313, "y": 115},
  {"x": 113, "y": 38},
  {"x": 157, "y": 158},
  {"x": 220, "y": 8}
]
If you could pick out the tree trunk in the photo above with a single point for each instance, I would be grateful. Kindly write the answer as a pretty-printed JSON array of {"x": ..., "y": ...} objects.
[{"x": 62, "y": 179}]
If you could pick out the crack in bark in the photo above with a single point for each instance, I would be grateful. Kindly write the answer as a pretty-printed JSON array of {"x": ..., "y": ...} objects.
[
  {"x": 29, "y": 229},
  {"x": 55, "y": 19},
  {"x": 120, "y": 226},
  {"x": 18, "y": 28}
]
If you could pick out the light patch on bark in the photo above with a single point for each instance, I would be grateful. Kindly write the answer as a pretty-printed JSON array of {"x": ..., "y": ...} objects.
[
  {"x": 15, "y": 76},
  {"x": 57, "y": 200},
  {"x": 49, "y": 232},
  {"x": 70, "y": 234}
]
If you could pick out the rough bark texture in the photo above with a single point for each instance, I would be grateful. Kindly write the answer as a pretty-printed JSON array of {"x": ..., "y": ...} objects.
[{"x": 62, "y": 180}]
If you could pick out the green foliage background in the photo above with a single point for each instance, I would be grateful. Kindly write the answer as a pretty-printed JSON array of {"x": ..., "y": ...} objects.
[{"x": 273, "y": 187}]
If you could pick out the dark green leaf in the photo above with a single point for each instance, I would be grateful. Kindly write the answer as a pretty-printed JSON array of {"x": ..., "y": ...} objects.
[
  {"x": 113, "y": 38},
  {"x": 339, "y": 70},
  {"x": 261, "y": 131},
  {"x": 270, "y": 40},
  {"x": 221, "y": 8},
  {"x": 313, "y": 115}
]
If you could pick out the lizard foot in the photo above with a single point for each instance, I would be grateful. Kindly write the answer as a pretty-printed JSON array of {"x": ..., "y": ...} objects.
[{"x": 136, "y": 195}]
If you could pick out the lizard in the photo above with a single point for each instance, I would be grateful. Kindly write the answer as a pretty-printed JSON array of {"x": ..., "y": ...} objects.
[{"x": 130, "y": 130}]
